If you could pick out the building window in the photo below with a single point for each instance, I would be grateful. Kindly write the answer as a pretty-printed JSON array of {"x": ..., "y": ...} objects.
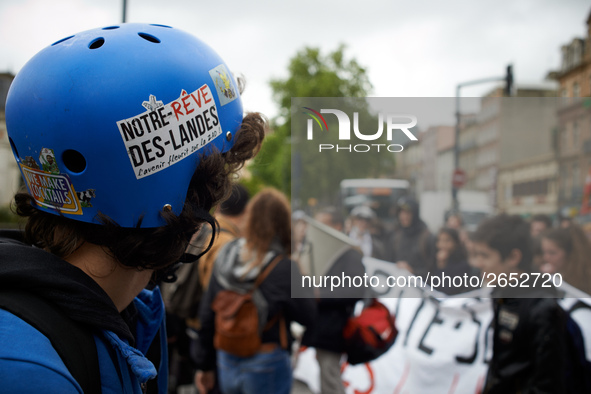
[
  {"x": 576, "y": 54},
  {"x": 531, "y": 188},
  {"x": 575, "y": 134},
  {"x": 576, "y": 90}
]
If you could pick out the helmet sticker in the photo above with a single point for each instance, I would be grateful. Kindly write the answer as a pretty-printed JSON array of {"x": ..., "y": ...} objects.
[
  {"x": 165, "y": 134},
  {"x": 47, "y": 160},
  {"x": 223, "y": 84},
  {"x": 48, "y": 187},
  {"x": 85, "y": 197},
  {"x": 152, "y": 104}
]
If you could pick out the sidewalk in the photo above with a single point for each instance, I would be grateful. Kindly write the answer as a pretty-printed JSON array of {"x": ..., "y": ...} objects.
[
  {"x": 300, "y": 388},
  {"x": 297, "y": 388}
]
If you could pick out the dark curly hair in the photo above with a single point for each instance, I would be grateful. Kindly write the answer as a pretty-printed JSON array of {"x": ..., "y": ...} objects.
[{"x": 150, "y": 248}]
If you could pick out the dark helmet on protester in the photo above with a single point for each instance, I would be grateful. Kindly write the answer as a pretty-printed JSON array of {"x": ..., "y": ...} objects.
[{"x": 409, "y": 204}]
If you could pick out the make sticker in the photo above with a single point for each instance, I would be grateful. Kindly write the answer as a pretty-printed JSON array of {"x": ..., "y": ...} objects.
[
  {"x": 47, "y": 186},
  {"x": 165, "y": 134}
]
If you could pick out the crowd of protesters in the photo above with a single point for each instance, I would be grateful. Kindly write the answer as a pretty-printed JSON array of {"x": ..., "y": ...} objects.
[
  {"x": 560, "y": 247},
  {"x": 535, "y": 342},
  {"x": 501, "y": 244}
]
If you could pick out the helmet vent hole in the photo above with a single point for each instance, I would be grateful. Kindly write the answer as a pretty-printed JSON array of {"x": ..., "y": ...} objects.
[
  {"x": 149, "y": 37},
  {"x": 97, "y": 43},
  {"x": 14, "y": 150},
  {"x": 168, "y": 27},
  {"x": 110, "y": 27},
  {"x": 62, "y": 40},
  {"x": 74, "y": 161}
]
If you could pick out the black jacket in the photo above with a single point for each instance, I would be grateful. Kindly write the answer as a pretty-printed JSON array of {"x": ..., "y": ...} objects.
[
  {"x": 415, "y": 245},
  {"x": 81, "y": 298},
  {"x": 334, "y": 308},
  {"x": 32, "y": 270},
  {"x": 529, "y": 345}
]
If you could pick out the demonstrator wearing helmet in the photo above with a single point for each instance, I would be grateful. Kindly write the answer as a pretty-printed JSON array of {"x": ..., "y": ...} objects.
[{"x": 144, "y": 127}]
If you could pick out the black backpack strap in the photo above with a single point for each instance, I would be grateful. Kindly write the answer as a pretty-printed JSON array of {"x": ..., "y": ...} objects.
[
  {"x": 74, "y": 344},
  {"x": 263, "y": 275}
]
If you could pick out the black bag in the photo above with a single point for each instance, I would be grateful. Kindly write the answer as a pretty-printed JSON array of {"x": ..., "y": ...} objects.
[{"x": 370, "y": 334}]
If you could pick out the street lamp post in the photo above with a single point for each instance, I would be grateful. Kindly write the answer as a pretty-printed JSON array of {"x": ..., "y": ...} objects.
[
  {"x": 124, "y": 17},
  {"x": 508, "y": 78}
]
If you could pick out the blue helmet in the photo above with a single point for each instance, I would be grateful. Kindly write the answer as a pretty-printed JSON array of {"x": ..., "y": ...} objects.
[{"x": 115, "y": 120}]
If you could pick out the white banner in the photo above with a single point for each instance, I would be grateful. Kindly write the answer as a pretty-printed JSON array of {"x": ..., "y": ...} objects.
[{"x": 442, "y": 346}]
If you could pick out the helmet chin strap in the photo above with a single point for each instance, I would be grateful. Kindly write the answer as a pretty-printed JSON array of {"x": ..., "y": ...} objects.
[
  {"x": 206, "y": 217},
  {"x": 168, "y": 274}
]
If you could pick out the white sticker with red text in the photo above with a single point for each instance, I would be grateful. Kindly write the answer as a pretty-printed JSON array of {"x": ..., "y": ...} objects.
[{"x": 165, "y": 134}]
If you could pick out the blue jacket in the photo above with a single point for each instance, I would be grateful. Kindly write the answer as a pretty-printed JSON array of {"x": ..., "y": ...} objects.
[{"x": 29, "y": 363}]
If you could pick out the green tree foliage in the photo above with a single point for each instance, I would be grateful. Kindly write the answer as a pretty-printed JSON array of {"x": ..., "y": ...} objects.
[{"x": 314, "y": 74}]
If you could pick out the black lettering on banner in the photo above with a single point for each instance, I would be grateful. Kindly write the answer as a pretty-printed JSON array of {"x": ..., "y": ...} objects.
[
  {"x": 436, "y": 320},
  {"x": 487, "y": 336},
  {"x": 398, "y": 302},
  {"x": 470, "y": 359},
  {"x": 412, "y": 322}
]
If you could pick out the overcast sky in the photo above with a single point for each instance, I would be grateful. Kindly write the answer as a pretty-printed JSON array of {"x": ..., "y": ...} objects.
[{"x": 418, "y": 49}]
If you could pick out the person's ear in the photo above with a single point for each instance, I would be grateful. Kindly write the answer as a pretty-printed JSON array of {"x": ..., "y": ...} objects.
[{"x": 514, "y": 258}]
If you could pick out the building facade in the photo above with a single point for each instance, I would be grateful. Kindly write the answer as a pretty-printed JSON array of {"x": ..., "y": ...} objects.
[
  {"x": 573, "y": 138},
  {"x": 10, "y": 178}
]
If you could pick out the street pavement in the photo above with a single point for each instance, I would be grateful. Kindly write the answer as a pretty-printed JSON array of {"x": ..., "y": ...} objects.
[
  {"x": 300, "y": 388},
  {"x": 297, "y": 388}
]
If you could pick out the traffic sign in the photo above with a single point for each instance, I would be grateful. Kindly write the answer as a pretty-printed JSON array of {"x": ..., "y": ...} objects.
[{"x": 458, "y": 178}]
